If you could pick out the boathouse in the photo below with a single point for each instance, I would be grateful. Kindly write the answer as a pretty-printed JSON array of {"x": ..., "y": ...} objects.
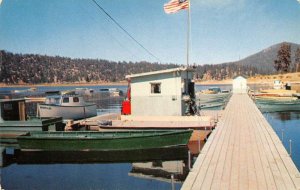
[
  {"x": 239, "y": 85},
  {"x": 161, "y": 93},
  {"x": 12, "y": 109}
]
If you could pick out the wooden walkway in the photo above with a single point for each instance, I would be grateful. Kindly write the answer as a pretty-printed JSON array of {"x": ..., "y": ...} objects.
[{"x": 243, "y": 152}]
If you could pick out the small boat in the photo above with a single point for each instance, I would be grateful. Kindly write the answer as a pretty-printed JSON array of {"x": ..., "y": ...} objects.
[
  {"x": 110, "y": 140},
  {"x": 212, "y": 98},
  {"x": 273, "y": 105},
  {"x": 14, "y": 121},
  {"x": 212, "y": 106},
  {"x": 68, "y": 105},
  {"x": 24, "y": 90},
  {"x": 275, "y": 93},
  {"x": 84, "y": 91},
  {"x": 277, "y": 84},
  {"x": 112, "y": 91}
]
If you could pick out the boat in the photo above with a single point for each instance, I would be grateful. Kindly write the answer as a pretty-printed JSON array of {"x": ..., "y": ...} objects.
[
  {"x": 277, "y": 84},
  {"x": 212, "y": 105},
  {"x": 212, "y": 98},
  {"x": 14, "y": 121},
  {"x": 33, "y": 89},
  {"x": 108, "y": 140},
  {"x": 273, "y": 105},
  {"x": 84, "y": 91},
  {"x": 115, "y": 92},
  {"x": 68, "y": 105},
  {"x": 275, "y": 93}
]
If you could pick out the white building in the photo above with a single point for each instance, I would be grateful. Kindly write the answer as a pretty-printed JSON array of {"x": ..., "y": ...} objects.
[
  {"x": 239, "y": 85},
  {"x": 161, "y": 93}
]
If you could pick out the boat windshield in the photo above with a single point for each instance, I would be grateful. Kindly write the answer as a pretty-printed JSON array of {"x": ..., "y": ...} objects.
[{"x": 53, "y": 100}]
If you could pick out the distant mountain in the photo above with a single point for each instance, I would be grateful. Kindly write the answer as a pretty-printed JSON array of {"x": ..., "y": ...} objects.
[{"x": 264, "y": 60}]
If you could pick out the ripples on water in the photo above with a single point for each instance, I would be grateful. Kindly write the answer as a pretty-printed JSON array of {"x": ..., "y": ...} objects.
[{"x": 287, "y": 127}]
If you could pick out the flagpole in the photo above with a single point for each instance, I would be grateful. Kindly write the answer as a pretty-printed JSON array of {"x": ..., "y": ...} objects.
[{"x": 188, "y": 33}]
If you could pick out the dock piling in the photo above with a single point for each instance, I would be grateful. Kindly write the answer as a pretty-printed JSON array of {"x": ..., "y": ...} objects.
[{"x": 172, "y": 182}]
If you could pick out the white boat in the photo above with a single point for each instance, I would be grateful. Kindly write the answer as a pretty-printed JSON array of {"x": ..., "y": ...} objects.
[
  {"x": 112, "y": 91},
  {"x": 277, "y": 84},
  {"x": 68, "y": 105},
  {"x": 84, "y": 91}
]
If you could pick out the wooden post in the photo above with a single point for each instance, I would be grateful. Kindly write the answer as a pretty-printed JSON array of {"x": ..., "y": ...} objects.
[
  {"x": 189, "y": 160},
  {"x": 172, "y": 182}
]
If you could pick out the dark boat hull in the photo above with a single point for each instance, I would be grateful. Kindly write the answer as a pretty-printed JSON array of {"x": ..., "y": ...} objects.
[{"x": 93, "y": 141}]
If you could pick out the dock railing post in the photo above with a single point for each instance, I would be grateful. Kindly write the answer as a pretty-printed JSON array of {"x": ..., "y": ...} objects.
[
  {"x": 290, "y": 147},
  {"x": 172, "y": 182},
  {"x": 281, "y": 135}
]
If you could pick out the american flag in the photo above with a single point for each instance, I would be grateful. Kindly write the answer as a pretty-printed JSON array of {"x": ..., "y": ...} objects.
[{"x": 176, "y": 5}]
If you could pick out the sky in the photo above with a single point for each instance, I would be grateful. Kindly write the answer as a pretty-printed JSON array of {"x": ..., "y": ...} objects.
[{"x": 221, "y": 30}]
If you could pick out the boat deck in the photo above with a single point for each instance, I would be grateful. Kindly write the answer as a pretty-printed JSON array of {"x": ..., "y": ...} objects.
[{"x": 243, "y": 152}]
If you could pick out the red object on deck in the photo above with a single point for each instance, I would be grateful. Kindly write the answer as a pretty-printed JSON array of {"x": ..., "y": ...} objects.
[
  {"x": 126, "y": 107},
  {"x": 126, "y": 104}
]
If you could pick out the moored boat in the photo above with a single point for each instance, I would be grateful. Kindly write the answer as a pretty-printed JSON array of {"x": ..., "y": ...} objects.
[
  {"x": 68, "y": 105},
  {"x": 111, "y": 140},
  {"x": 278, "y": 105},
  {"x": 212, "y": 98}
]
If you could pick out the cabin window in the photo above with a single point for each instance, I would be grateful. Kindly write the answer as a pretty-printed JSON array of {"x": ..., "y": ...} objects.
[
  {"x": 155, "y": 88},
  {"x": 75, "y": 99},
  {"x": 66, "y": 100},
  {"x": 7, "y": 106},
  {"x": 56, "y": 101}
]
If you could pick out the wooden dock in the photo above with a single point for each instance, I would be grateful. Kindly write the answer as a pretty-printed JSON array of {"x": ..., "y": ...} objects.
[{"x": 243, "y": 152}]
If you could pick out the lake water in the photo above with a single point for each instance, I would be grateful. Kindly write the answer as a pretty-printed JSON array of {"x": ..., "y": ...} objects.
[
  {"x": 287, "y": 127},
  {"x": 149, "y": 169}
]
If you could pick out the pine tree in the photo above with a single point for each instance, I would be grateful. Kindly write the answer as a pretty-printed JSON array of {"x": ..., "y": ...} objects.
[
  {"x": 297, "y": 60},
  {"x": 283, "y": 60}
]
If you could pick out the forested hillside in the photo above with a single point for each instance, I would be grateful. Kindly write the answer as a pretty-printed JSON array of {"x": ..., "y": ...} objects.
[{"x": 35, "y": 69}]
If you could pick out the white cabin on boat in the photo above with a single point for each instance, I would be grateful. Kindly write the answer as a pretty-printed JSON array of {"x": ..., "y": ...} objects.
[
  {"x": 239, "y": 85},
  {"x": 161, "y": 93},
  {"x": 68, "y": 105}
]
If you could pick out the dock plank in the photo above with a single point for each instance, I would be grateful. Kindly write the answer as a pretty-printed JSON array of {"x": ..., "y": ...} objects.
[{"x": 243, "y": 152}]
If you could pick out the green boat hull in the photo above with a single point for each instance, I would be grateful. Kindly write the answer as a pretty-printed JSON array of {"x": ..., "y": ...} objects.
[{"x": 93, "y": 141}]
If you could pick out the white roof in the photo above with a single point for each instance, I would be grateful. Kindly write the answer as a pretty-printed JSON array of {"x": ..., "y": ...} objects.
[
  {"x": 239, "y": 78},
  {"x": 159, "y": 72}
]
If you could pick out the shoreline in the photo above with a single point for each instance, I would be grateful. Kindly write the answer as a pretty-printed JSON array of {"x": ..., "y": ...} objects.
[
  {"x": 293, "y": 78},
  {"x": 66, "y": 84}
]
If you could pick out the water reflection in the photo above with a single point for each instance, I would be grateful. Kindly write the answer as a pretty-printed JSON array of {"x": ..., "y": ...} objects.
[
  {"x": 49, "y": 157},
  {"x": 285, "y": 116},
  {"x": 142, "y": 169},
  {"x": 160, "y": 170},
  {"x": 287, "y": 127}
]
